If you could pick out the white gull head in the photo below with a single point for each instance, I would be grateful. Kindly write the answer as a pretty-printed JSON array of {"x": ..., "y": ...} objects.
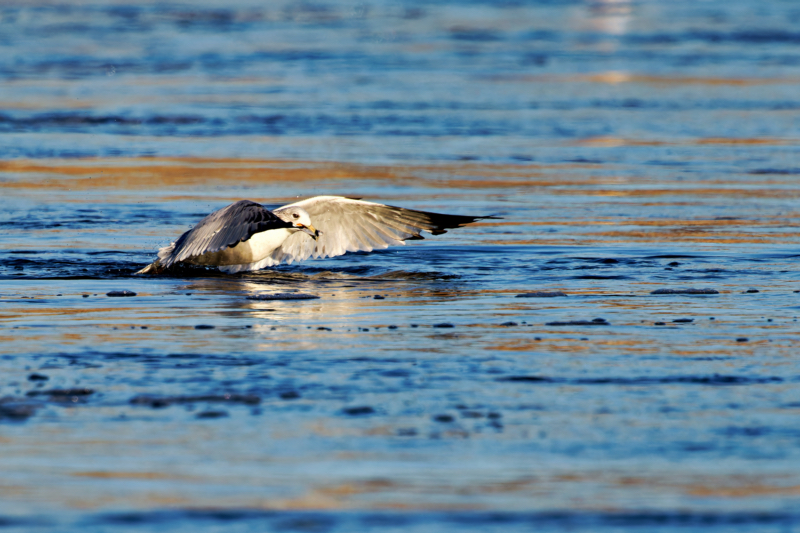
[{"x": 298, "y": 218}]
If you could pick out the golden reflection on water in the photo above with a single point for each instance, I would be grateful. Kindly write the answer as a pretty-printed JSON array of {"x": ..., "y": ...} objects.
[{"x": 170, "y": 180}]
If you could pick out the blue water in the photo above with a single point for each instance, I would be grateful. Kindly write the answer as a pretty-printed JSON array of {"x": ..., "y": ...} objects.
[
  {"x": 391, "y": 80},
  {"x": 628, "y": 146}
]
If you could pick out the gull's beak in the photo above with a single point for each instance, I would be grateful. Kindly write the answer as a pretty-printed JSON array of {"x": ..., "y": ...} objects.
[{"x": 310, "y": 229}]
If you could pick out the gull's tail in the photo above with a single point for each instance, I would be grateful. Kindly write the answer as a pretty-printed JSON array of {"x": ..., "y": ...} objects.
[
  {"x": 153, "y": 268},
  {"x": 157, "y": 267}
]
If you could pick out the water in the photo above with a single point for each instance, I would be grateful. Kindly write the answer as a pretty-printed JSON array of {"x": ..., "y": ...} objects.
[{"x": 628, "y": 146}]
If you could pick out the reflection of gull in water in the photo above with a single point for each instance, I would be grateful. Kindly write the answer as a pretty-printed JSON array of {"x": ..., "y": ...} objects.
[
  {"x": 246, "y": 236},
  {"x": 344, "y": 300}
]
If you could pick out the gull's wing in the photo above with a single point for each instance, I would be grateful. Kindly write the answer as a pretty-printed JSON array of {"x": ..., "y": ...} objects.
[
  {"x": 221, "y": 229},
  {"x": 348, "y": 225}
]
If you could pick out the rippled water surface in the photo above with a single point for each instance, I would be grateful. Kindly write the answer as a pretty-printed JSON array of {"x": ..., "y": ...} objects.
[{"x": 629, "y": 147}]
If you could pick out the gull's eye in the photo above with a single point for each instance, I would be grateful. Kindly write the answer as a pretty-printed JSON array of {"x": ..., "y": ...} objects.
[{"x": 295, "y": 215}]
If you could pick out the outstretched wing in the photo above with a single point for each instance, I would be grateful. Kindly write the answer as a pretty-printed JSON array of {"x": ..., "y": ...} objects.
[
  {"x": 347, "y": 225},
  {"x": 221, "y": 229}
]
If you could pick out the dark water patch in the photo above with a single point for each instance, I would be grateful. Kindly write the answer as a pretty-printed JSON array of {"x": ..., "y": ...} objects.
[
  {"x": 69, "y": 222},
  {"x": 606, "y": 260},
  {"x": 298, "y": 123},
  {"x": 64, "y": 119},
  {"x": 541, "y": 294},
  {"x": 775, "y": 172},
  {"x": 354, "y": 271},
  {"x": 596, "y": 276},
  {"x": 63, "y": 395},
  {"x": 665, "y": 105},
  {"x": 673, "y": 256},
  {"x": 474, "y": 34},
  {"x": 594, "y": 322},
  {"x": 212, "y": 414},
  {"x": 16, "y": 410},
  {"x": 746, "y": 431},
  {"x": 111, "y": 253},
  {"x": 690, "y": 291},
  {"x": 76, "y": 66},
  {"x": 283, "y": 296},
  {"x": 415, "y": 276},
  {"x": 63, "y": 267},
  {"x": 744, "y": 37},
  {"x": 164, "y": 401},
  {"x": 364, "y": 410},
  {"x": 170, "y": 360},
  {"x": 208, "y": 360},
  {"x": 64, "y": 220},
  {"x": 205, "y": 18},
  {"x": 387, "y": 360},
  {"x": 14, "y": 522},
  {"x": 396, "y": 373},
  {"x": 431, "y": 105},
  {"x": 556, "y": 520},
  {"x": 591, "y": 263},
  {"x": 100, "y": 355},
  {"x": 585, "y": 161},
  {"x": 715, "y": 379},
  {"x": 667, "y": 163},
  {"x": 382, "y": 119}
]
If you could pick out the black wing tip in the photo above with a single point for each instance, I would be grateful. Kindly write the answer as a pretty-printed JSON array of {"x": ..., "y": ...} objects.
[
  {"x": 470, "y": 220},
  {"x": 444, "y": 222}
]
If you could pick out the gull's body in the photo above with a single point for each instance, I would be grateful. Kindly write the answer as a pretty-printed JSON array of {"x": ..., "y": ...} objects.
[
  {"x": 247, "y": 253},
  {"x": 246, "y": 236}
]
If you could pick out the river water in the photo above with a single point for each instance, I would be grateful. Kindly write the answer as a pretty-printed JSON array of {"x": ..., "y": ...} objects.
[{"x": 629, "y": 147}]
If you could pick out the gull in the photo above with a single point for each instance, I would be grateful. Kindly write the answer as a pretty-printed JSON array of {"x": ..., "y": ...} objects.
[{"x": 246, "y": 236}]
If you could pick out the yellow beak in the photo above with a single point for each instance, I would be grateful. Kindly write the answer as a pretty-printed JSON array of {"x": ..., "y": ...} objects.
[{"x": 310, "y": 229}]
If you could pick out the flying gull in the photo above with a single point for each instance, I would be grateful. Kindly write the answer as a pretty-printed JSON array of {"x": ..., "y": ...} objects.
[{"x": 246, "y": 236}]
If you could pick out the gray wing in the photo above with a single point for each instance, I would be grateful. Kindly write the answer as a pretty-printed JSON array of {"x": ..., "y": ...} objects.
[
  {"x": 348, "y": 225},
  {"x": 221, "y": 229}
]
